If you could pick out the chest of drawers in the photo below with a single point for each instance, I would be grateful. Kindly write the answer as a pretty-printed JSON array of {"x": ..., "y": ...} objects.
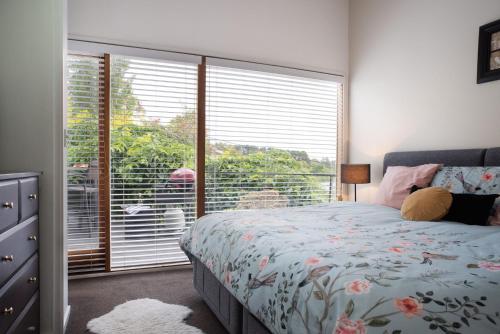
[{"x": 19, "y": 296}]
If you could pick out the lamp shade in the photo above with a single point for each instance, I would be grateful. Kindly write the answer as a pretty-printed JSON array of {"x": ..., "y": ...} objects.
[{"x": 355, "y": 173}]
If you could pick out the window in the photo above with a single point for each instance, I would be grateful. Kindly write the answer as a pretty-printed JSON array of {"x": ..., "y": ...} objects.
[
  {"x": 271, "y": 139},
  {"x": 153, "y": 133},
  {"x": 137, "y": 120}
]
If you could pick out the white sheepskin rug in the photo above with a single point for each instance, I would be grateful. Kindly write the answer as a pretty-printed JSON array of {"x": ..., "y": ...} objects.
[{"x": 144, "y": 316}]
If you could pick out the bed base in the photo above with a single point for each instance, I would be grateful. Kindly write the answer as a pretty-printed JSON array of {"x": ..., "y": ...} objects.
[{"x": 233, "y": 316}]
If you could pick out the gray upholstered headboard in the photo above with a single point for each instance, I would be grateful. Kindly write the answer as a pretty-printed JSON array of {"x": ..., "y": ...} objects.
[{"x": 467, "y": 157}]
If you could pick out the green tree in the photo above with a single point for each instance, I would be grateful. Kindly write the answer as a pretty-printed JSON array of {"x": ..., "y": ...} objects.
[
  {"x": 85, "y": 105},
  {"x": 183, "y": 127}
]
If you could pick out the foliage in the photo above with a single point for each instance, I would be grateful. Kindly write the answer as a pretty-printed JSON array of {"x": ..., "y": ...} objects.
[
  {"x": 85, "y": 107},
  {"x": 140, "y": 150},
  {"x": 82, "y": 103},
  {"x": 183, "y": 127},
  {"x": 233, "y": 173}
]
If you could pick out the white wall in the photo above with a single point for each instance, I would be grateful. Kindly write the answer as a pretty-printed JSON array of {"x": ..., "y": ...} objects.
[
  {"x": 299, "y": 33},
  {"x": 413, "y": 79},
  {"x": 31, "y": 83}
]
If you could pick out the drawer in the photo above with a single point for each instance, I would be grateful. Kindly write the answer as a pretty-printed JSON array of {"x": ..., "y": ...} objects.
[
  {"x": 16, "y": 246},
  {"x": 252, "y": 325},
  {"x": 211, "y": 288},
  {"x": 198, "y": 275},
  {"x": 225, "y": 307},
  {"x": 28, "y": 321},
  {"x": 17, "y": 292},
  {"x": 9, "y": 204},
  {"x": 28, "y": 191}
]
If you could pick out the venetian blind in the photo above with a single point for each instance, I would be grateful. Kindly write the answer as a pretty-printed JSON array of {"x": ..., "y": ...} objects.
[
  {"x": 153, "y": 133},
  {"x": 84, "y": 142},
  {"x": 271, "y": 137}
]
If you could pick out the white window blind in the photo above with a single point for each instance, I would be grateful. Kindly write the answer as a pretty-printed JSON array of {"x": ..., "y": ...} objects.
[
  {"x": 153, "y": 133},
  {"x": 271, "y": 138},
  {"x": 84, "y": 142}
]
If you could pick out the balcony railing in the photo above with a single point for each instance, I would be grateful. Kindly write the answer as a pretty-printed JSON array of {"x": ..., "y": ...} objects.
[{"x": 253, "y": 190}]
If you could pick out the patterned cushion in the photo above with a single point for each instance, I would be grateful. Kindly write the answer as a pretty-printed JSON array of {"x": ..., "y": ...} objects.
[
  {"x": 471, "y": 180},
  {"x": 468, "y": 180}
]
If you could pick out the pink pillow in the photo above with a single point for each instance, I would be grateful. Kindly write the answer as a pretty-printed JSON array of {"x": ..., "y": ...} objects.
[{"x": 398, "y": 180}]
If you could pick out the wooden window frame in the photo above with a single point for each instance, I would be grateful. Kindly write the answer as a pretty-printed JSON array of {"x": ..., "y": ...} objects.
[{"x": 201, "y": 138}]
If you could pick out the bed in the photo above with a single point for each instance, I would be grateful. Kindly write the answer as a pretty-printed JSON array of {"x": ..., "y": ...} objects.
[{"x": 350, "y": 268}]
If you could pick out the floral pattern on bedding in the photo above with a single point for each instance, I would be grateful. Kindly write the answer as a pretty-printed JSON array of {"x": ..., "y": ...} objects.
[{"x": 353, "y": 268}]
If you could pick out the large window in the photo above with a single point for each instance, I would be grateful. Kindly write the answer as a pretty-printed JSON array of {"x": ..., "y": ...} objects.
[{"x": 137, "y": 120}]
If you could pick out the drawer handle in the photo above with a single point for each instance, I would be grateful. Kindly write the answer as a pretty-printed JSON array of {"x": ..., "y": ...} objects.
[
  {"x": 32, "y": 237},
  {"x": 32, "y": 279},
  {"x": 8, "y": 205},
  {"x": 33, "y": 196},
  {"x": 8, "y": 310},
  {"x": 8, "y": 258}
]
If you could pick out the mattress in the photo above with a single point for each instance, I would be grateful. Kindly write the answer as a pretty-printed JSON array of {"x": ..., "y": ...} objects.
[{"x": 352, "y": 268}]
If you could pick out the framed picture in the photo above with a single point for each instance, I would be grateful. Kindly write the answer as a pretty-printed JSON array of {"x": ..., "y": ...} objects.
[{"x": 488, "y": 58}]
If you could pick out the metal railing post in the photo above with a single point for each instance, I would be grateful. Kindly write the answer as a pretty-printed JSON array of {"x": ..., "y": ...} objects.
[{"x": 330, "y": 190}]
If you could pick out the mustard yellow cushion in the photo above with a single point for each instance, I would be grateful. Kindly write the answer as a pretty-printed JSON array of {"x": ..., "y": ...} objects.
[{"x": 427, "y": 204}]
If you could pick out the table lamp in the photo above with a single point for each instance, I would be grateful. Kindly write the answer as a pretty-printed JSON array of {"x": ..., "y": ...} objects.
[{"x": 355, "y": 174}]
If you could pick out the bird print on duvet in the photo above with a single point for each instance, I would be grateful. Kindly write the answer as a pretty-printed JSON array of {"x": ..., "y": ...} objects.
[{"x": 353, "y": 268}]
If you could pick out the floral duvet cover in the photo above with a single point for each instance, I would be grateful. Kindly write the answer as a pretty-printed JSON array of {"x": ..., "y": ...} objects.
[{"x": 353, "y": 268}]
